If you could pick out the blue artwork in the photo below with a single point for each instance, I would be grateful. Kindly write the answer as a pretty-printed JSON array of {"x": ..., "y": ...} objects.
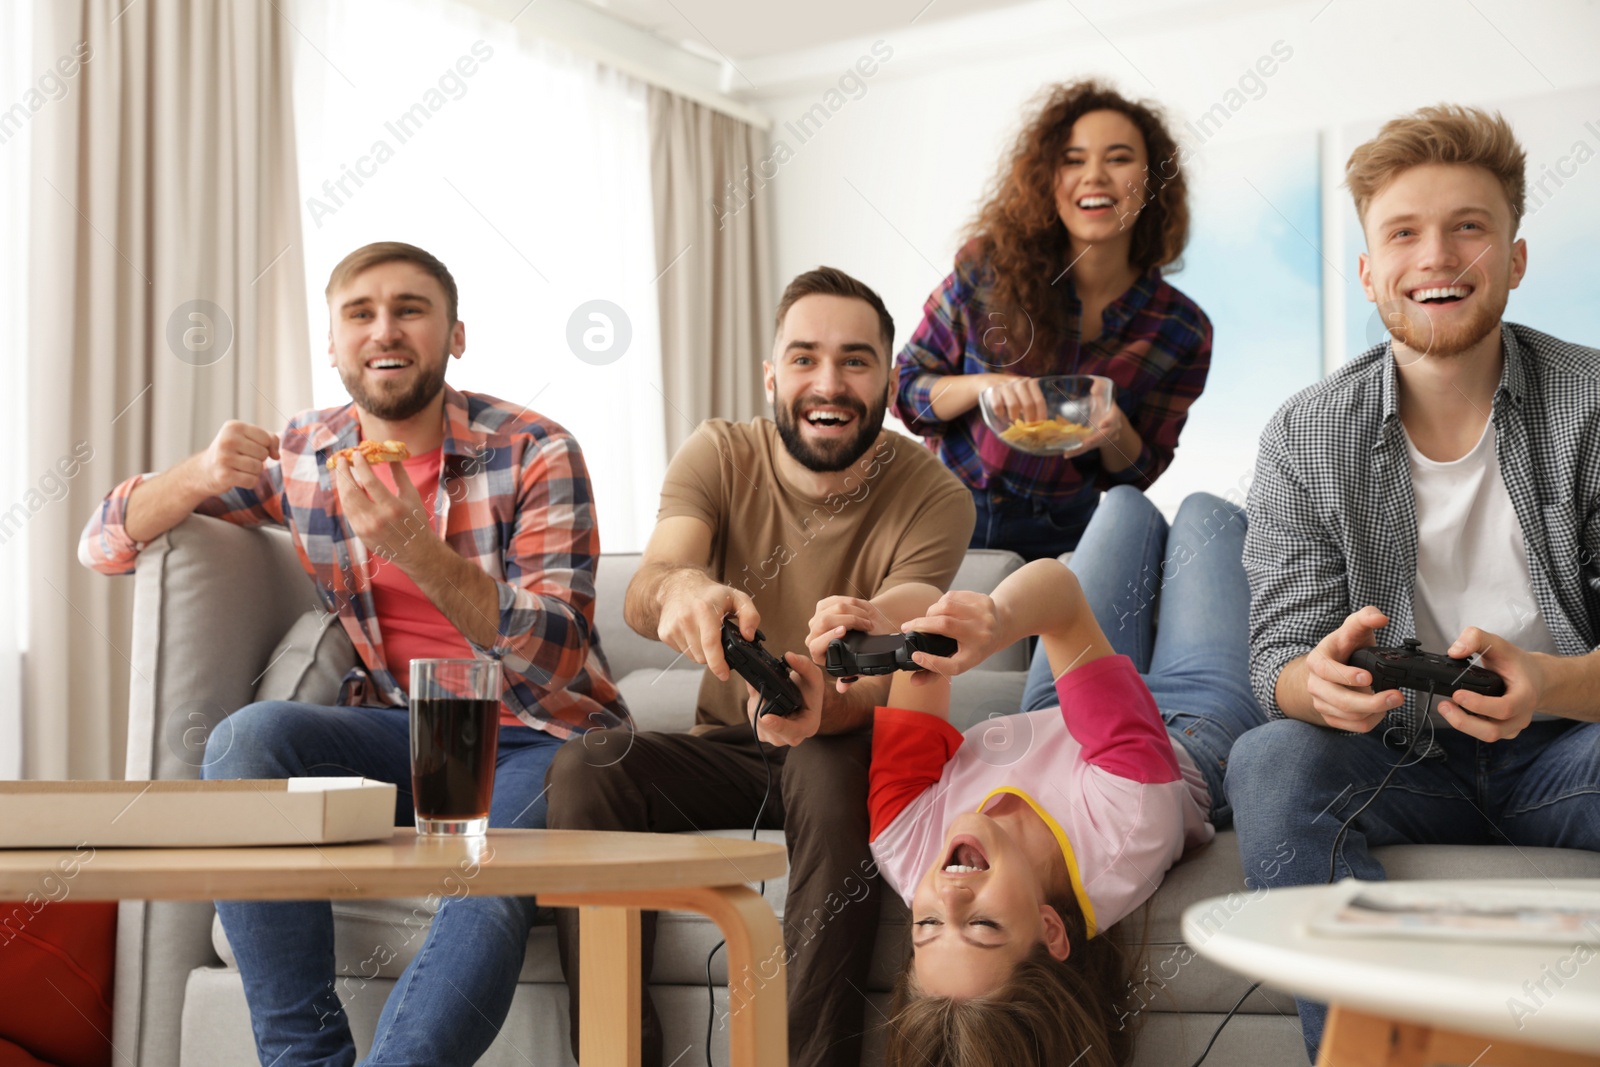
[
  {"x": 1253, "y": 265},
  {"x": 1560, "y": 294}
]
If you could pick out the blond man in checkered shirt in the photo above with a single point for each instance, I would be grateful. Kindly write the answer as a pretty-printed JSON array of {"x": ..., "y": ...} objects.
[{"x": 1444, "y": 485}]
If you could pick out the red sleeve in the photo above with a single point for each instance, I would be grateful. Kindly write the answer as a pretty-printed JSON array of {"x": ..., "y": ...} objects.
[
  {"x": 1111, "y": 714},
  {"x": 909, "y": 751}
]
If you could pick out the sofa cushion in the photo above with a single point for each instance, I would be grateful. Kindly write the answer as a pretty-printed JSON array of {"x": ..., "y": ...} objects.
[
  {"x": 662, "y": 701},
  {"x": 380, "y": 937},
  {"x": 985, "y": 694},
  {"x": 310, "y": 661},
  {"x": 625, "y": 651},
  {"x": 981, "y": 570},
  {"x": 1175, "y": 978}
]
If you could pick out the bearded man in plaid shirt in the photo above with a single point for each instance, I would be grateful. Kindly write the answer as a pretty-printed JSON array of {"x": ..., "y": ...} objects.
[
  {"x": 1443, "y": 486},
  {"x": 481, "y": 545}
]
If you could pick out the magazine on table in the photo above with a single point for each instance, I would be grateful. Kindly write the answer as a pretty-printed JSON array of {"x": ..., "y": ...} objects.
[{"x": 1537, "y": 914}]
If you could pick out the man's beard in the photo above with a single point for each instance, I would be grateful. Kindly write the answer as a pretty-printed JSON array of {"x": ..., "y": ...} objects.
[
  {"x": 395, "y": 405},
  {"x": 836, "y": 455},
  {"x": 1417, "y": 331}
]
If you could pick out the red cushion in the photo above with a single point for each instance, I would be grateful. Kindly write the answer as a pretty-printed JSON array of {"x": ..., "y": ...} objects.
[
  {"x": 56, "y": 961},
  {"x": 17, "y": 1056}
]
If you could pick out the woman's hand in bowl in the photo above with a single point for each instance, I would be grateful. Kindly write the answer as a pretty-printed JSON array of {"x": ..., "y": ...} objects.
[{"x": 1018, "y": 398}]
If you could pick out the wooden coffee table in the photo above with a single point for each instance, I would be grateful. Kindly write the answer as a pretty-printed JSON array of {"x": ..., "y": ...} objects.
[
  {"x": 1407, "y": 1002},
  {"x": 610, "y": 877}
]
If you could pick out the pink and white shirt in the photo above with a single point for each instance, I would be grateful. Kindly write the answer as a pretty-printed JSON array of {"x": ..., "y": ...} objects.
[{"x": 1123, "y": 802}]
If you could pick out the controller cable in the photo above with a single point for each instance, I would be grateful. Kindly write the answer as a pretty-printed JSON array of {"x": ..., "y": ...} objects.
[
  {"x": 1338, "y": 840},
  {"x": 711, "y": 990}
]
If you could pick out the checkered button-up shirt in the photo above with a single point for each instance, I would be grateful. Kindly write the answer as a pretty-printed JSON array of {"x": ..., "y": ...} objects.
[
  {"x": 1333, "y": 522},
  {"x": 514, "y": 499},
  {"x": 1155, "y": 345}
]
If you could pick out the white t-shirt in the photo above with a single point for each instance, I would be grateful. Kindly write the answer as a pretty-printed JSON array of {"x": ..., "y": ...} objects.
[{"x": 1472, "y": 560}]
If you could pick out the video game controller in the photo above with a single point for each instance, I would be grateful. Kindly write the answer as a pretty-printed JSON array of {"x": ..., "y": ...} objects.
[
  {"x": 858, "y": 652},
  {"x": 1412, "y": 668},
  {"x": 767, "y": 674}
]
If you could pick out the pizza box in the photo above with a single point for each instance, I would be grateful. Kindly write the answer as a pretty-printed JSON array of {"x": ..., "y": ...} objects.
[{"x": 181, "y": 814}]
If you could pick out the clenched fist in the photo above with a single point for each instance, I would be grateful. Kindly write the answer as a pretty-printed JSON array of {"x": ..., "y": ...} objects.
[{"x": 234, "y": 459}]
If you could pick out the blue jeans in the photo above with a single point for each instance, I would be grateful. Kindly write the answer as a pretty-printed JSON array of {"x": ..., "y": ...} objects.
[
  {"x": 1293, "y": 785},
  {"x": 1032, "y": 529},
  {"x": 449, "y": 1003},
  {"x": 1133, "y": 567}
]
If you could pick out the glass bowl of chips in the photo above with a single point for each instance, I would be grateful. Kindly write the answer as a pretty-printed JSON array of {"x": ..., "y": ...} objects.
[{"x": 1074, "y": 404}]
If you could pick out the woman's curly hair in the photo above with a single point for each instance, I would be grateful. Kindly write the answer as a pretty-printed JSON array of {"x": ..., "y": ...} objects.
[{"x": 1018, "y": 234}]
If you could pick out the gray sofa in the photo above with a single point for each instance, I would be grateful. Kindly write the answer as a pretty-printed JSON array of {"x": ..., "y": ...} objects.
[{"x": 214, "y": 609}]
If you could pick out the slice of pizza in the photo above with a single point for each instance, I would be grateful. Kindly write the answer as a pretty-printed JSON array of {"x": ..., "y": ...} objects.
[{"x": 375, "y": 452}]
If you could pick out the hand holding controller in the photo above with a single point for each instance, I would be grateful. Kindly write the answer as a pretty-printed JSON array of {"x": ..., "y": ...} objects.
[
  {"x": 1411, "y": 668},
  {"x": 767, "y": 675},
  {"x": 858, "y": 652}
]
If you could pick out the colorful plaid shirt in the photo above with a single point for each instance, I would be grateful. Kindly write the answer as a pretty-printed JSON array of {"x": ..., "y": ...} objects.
[
  {"x": 1155, "y": 344},
  {"x": 514, "y": 500}
]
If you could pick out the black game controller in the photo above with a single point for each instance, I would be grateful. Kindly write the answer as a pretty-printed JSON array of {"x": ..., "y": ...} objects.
[
  {"x": 1412, "y": 668},
  {"x": 767, "y": 674},
  {"x": 858, "y": 652}
]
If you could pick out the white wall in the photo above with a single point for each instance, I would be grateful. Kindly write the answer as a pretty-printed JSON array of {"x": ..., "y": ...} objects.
[{"x": 884, "y": 187}]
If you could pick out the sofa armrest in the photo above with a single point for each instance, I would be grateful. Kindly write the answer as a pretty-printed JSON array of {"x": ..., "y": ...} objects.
[{"x": 211, "y": 601}]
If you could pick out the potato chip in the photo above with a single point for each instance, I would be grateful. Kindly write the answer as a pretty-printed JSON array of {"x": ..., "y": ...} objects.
[{"x": 1046, "y": 435}]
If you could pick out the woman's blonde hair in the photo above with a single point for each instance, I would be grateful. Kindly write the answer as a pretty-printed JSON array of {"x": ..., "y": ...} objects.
[
  {"x": 1048, "y": 1013},
  {"x": 1443, "y": 133}
]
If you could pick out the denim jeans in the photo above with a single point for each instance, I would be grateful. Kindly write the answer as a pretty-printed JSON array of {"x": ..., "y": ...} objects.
[
  {"x": 1032, "y": 529},
  {"x": 1135, "y": 572},
  {"x": 449, "y": 1003},
  {"x": 1293, "y": 785}
]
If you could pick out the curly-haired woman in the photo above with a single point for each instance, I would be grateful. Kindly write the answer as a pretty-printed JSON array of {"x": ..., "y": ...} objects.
[{"x": 1061, "y": 274}]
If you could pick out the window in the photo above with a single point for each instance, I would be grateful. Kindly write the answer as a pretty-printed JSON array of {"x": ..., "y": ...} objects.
[
  {"x": 16, "y": 61},
  {"x": 526, "y": 170}
]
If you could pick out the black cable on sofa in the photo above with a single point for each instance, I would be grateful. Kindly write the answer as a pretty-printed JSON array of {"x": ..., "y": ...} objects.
[{"x": 1333, "y": 853}]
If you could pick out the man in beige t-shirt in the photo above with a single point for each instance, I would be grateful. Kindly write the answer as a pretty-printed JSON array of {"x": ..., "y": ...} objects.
[{"x": 809, "y": 525}]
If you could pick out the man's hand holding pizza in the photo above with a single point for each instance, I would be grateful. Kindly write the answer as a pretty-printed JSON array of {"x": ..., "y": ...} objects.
[{"x": 389, "y": 524}]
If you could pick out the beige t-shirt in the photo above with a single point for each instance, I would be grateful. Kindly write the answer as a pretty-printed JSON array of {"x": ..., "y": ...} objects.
[{"x": 901, "y": 517}]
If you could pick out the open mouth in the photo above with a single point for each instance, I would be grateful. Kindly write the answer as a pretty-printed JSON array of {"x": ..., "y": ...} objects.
[
  {"x": 1440, "y": 294},
  {"x": 1095, "y": 202},
  {"x": 828, "y": 418},
  {"x": 965, "y": 856},
  {"x": 388, "y": 366}
]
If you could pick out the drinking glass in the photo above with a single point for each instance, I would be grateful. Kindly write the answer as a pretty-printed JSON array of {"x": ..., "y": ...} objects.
[{"x": 455, "y": 731}]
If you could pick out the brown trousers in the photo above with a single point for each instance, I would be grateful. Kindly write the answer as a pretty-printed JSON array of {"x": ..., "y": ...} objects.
[{"x": 715, "y": 781}]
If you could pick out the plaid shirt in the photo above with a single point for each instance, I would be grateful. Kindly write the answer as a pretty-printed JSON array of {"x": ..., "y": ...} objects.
[
  {"x": 513, "y": 499},
  {"x": 1155, "y": 345},
  {"x": 1333, "y": 523}
]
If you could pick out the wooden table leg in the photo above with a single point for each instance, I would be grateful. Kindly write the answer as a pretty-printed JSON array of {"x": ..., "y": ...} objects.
[
  {"x": 608, "y": 978},
  {"x": 1358, "y": 1039},
  {"x": 757, "y": 967}
]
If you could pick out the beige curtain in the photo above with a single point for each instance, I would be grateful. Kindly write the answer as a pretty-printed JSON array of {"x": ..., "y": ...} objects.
[
  {"x": 712, "y": 247},
  {"x": 165, "y": 175}
]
